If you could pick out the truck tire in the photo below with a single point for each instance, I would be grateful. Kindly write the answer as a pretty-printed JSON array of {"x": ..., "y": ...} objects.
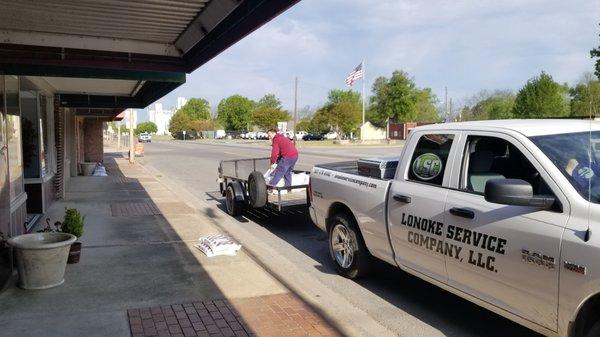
[
  {"x": 347, "y": 248},
  {"x": 234, "y": 206},
  {"x": 257, "y": 190},
  {"x": 594, "y": 330}
]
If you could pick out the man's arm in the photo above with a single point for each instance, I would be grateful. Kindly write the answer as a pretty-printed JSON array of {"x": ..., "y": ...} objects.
[{"x": 274, "y": 151}]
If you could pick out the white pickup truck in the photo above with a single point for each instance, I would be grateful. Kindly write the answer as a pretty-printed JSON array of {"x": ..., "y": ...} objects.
[{"x": 503, "y": 213}]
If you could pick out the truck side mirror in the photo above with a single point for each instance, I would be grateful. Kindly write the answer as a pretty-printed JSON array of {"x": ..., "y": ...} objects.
[{"x": 515, "y": 192}]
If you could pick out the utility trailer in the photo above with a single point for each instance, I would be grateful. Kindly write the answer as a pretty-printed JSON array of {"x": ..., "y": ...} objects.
[{"x": 242, "y": 183}]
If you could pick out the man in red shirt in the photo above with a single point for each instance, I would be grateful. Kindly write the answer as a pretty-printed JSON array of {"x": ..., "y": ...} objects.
[{"x": 285, "y": 155}]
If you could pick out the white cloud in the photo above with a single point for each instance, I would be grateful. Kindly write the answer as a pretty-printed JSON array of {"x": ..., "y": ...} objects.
[{"x": 465, "y": 45}]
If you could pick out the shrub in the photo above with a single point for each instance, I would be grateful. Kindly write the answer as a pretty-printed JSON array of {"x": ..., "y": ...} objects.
[{"x": 73, "y": 222}]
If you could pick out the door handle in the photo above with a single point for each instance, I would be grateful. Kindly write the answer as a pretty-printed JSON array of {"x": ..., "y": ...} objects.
[
  {"x": 402, "y": 198},
  {"x": 462, "y": 212}
]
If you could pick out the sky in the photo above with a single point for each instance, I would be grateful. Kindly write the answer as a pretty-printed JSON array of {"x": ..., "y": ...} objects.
[{"x": 466, "y": 46}]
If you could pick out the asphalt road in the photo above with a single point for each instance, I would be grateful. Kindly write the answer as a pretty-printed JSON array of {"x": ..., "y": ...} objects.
[{"x": 403, "y": 304}]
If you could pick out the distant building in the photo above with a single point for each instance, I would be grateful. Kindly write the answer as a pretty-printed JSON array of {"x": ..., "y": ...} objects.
[
  {"x": 181, "y": 101},
  {"x": 161, "y": 117}
]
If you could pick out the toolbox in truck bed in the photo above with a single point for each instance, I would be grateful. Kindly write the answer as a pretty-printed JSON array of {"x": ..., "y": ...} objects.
[{"x": 381, "y": 168}]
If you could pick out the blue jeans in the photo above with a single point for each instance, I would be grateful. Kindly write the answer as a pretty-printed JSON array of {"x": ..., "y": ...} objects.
[{"x": 284, "y": 169}]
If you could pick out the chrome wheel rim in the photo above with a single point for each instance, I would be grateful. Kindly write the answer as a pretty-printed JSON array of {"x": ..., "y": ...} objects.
[{"x": 342, "y": 246}]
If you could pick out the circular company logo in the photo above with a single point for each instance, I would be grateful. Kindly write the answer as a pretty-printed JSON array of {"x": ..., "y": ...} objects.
[{"x": 427, "y": 166}]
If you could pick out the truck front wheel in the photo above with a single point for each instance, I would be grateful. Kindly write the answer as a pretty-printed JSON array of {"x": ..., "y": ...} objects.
[{"x": 346, "y": 247}]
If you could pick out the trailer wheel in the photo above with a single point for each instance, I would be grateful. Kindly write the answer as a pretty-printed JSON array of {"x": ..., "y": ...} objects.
[
  {"x": 257, "y": 189},
  {"x": 234, "y": 206},
  {"x": 347, "y": 248}
]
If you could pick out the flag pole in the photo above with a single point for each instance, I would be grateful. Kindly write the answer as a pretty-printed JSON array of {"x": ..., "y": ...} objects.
[{"x": 363, "y": 97}]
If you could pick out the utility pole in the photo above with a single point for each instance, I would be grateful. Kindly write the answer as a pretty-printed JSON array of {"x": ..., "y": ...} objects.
[
  {"x": 446, "y": 102},
  {"x": 118, "y": 136},
  {"x": 295, "y": 108},
  {"x": 131, "y": 149},
  {"x": 451, "y": 106}
]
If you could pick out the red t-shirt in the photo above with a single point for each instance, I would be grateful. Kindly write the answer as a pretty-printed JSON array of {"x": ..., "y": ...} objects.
[{"x": 282, "y": 147}]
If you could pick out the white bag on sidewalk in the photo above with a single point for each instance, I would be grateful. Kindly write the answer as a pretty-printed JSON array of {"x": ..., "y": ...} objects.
[{"x": 217, "y": 244}]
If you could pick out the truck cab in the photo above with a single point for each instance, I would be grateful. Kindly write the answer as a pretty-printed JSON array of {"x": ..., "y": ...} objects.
[{"x": 502, "y": 213}]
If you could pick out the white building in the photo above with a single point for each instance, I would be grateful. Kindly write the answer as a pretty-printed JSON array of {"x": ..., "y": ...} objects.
[
  {"x": 181, "y": 102},
  {"x": 161, "y": 117}
]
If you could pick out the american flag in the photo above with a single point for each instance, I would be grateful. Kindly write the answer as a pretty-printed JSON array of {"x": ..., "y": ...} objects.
[{"x": 355, "y": 75}]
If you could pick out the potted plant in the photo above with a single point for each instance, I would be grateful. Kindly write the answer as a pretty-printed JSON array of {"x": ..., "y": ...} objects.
[
  {"x": 73, "y": 224},
  {"x": 41, "y": 258}
]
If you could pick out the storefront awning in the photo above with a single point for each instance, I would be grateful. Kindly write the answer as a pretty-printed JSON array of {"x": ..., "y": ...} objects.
[{"x": 153, "y": 43}]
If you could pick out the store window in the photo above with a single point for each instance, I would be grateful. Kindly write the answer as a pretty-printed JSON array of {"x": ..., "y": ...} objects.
[
  {"x": 14, "y": 136},
  {"x": 31, "y": 134},
  {"x": 428, "y": 163}
]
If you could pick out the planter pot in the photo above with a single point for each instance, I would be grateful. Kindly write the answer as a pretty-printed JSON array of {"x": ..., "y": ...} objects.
[
  {"x": 41, "y": 258},
  {"x": 74, "y": 253},
  {"x": 87, "y": 169}
]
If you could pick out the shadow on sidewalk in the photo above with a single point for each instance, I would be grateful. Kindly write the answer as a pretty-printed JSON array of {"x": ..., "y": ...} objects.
[
  {"x": 140, "y": 275},
  {"x": 429, "y": 303}
]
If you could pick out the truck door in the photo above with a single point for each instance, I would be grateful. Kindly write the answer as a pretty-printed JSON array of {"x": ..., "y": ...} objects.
[
  {"x": 509, "y": 255},
  {"x": 416, "y": 204}
]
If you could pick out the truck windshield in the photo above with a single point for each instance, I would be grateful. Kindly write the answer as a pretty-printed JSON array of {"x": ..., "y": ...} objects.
[{"x": 577, "y": 156}]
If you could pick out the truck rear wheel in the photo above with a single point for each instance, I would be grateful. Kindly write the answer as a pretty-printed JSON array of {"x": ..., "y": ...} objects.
[
  {"x": 594, "y": 330},
  {"x": 347, "y": 248},
  {"x": 234, "y": 206}
]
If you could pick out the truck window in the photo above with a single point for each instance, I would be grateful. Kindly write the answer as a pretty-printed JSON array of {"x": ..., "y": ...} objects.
[
  {"x": 489, "y": 158},
  {"x": 428, "y": 162}
]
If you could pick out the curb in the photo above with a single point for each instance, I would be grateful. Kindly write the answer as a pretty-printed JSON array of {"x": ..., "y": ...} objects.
[{"x": 357, "y": 323}]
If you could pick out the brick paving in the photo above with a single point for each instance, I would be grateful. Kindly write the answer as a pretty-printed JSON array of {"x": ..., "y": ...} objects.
[
  {"x": 134, "y": 208},
  {"x": 272, "y": 315}
]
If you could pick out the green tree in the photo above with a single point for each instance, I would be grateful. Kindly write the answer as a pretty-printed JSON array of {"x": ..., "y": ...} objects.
[
  {"x": 196, "y": 109},
  {"x": 124, "y": 129},
  {"x": 267, "y": 117},
  {"x": 497, "y": 105},
  {"x": 541, "y": 97},
  {"x": 342, "y": 112},
  {"x": 235, "y": 112},
  {"x": 147, "y": 127},
  {"x": 268, "y": 111},
  {"x": 319, "y": 123},
  {"x": 425, "y": 105},
  {"x": 304, "y": 124},
  {"x": 595, "y": 54},
  {"x": 399, "y": 99},
  {"x": 585, "y": 97},
  {"x": 180, "y": 122},
  {"x": 202, "y": 125},
  {"x": 269, "y": 101}
]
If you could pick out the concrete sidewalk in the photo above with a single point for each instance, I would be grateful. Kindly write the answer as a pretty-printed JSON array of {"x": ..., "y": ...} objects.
[{"x": 139, "y": 274}]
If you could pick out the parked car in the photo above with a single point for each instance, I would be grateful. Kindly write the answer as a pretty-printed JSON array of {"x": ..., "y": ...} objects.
[
  {"x": 502, "y": 213},
  {"x": 300, "y": 135},
  {"x": 312, "y": 136},
  {"x": 289, "y": 135},
  {"x": 331, "y": 135},
  {"x": 262, "y": 135},
  {"x": 144, "y": 137},
  {"x": 220, "y": 134}
]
